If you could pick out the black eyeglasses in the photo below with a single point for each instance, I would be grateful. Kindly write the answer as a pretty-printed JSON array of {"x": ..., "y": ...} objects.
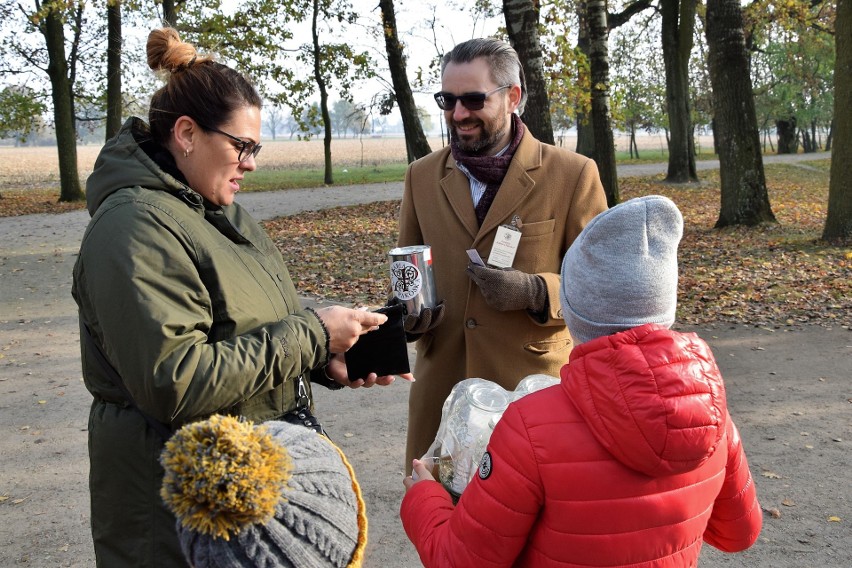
[
  {"x": 247, "y": 147},
  {"x": 470, "y": 101}
]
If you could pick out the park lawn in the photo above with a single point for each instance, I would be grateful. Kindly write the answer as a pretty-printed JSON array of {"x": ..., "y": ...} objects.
[{"x": 33, "y": 200}]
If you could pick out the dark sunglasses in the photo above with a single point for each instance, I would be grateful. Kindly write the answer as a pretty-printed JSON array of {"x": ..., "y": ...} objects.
[
  {"x": 470, "y": 101},
  {"x": 247, "y": 147}
]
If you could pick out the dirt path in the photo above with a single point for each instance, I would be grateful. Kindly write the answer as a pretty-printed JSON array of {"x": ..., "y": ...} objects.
[{"x": 789, "y": 391}]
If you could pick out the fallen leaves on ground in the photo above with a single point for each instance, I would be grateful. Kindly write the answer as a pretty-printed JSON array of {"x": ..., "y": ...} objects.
[
  {"x": 32, "y": 201},
  {"x": 339, "y": 254},
  {"x": 774, "y": 275},
  {"x": 773, "y": 512}
]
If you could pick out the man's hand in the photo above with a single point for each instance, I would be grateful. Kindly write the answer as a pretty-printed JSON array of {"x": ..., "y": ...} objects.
[
  {"x": 416, "y": 325},
  {"x": 345, "y": 325},
  {"x": 510, "y": 289},
  {"x": 427, "y": 319}
]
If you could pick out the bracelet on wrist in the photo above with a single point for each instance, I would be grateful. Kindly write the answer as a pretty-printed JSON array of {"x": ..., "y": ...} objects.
[{"x": 329, "y": 382}]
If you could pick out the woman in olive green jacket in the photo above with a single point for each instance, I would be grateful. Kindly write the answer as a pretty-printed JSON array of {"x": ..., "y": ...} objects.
[{"x": 187, "y": 298}]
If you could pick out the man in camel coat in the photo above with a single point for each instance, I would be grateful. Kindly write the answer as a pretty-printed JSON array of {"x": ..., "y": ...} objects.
[{"x": 500, "y": 324}]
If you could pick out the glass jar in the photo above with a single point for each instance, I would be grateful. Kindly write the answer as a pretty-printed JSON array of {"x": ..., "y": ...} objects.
[
  {"x": 468, "y": 418},
  {"x": 470, "y": 414}
]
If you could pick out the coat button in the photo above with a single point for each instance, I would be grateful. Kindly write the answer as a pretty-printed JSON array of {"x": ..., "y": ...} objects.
[{"x": 470, "y": 323}]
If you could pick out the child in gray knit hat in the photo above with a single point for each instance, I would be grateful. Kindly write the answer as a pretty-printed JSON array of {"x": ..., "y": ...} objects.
[
  {"x": 633, "y": 459},
  {"x": 274, "y": 495},
  {"x": 621, "y": 271}
]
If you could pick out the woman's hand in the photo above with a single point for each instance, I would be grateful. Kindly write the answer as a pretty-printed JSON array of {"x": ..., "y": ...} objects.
[
  {"x": 345, "y": 325},
  {"x": 336, "y": 370}
]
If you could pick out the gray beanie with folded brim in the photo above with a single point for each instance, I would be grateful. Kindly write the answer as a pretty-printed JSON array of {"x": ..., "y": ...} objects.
[
  {"x": 222, "y": 474},
  {"x": 621, "y": 271}
]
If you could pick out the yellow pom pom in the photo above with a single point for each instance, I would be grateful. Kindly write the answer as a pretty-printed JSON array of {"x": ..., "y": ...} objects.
[{"x": 222, "y": 475}]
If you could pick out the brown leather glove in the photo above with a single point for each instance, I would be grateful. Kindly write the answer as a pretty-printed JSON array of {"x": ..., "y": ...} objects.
[{"x": 510, "y": 289}]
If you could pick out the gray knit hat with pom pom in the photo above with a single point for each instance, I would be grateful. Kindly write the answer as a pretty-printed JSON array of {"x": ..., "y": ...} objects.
[{"x": 273, "y": 495}]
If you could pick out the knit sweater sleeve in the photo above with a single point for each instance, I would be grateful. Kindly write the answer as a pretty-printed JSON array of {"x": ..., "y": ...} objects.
[
  {"x": 736, "y": 520},
  {"x": 492, "y": 522}
]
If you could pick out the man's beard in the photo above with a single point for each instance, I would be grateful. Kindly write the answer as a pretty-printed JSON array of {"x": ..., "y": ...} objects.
[{"x": 485, "y": 143}]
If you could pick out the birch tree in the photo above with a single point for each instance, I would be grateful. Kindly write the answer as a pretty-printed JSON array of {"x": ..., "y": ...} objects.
[{"x": 601, "y": 117}]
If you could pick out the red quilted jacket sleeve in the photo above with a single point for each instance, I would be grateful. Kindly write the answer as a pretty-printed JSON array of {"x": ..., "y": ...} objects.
[
  {"x": 736, "y": 519},
  {"x": 494, "y": 516}
]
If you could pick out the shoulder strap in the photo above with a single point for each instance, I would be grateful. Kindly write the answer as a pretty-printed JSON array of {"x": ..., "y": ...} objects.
[{"x": 93, "y": 348}]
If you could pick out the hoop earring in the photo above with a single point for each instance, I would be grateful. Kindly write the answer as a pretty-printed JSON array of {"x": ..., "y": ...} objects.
[{"x": 187, "y": 152}]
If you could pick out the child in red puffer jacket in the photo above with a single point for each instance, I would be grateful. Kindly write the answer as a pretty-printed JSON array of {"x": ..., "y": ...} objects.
[{"x": 633, "y": 460}]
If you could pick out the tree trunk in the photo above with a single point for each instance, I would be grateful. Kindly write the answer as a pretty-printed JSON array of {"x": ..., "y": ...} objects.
[
  {"x": 323, "y": 91},
  {"x": 715, "y": 136},
  {"x": 838, "y": 223},
  {"x": 814, "y": 137},
  {"x": 585, "y": 132},
  {"x": 601, "y": 120},
  {"x": 634, "y": 148},
  {"x": 788, "y": 142},
  {"x": 415, "y": 139},
  {"x": 678, "y": 17},
  {"x": 807, "y": 141},
  {"x": 745, "y": 200},
  {"x": 170, "y": 12},
  {"x": 830, "y": 137},
  {"x": 522, "y": 27},
  {"x": 585, "y": 136},
  {"x": 114, "y": 106},
  {"x": 63, "y": 103}
]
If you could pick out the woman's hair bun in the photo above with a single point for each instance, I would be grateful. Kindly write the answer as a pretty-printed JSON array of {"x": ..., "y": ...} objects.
[
  {"x": 193, "y": 85},
  {"x": 167, "y": 52}
]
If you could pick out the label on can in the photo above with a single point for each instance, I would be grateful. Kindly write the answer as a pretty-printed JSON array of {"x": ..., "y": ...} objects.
[{"x": 406, "y": 280}]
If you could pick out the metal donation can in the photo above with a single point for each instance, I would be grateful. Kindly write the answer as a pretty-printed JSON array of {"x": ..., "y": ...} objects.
[{"x": 412, "y": 279}]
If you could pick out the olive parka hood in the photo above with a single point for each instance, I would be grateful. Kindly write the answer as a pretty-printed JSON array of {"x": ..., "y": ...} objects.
[{"x": 123, "y": 162}]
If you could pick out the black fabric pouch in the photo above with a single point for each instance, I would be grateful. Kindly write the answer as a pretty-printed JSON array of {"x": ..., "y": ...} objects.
[{"x": 383, "y": 351}]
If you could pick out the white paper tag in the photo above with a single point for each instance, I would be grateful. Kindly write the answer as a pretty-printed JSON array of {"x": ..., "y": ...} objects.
[
  {"x": 505, "y": 246},
  {"x": 474, "y": 257}
]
